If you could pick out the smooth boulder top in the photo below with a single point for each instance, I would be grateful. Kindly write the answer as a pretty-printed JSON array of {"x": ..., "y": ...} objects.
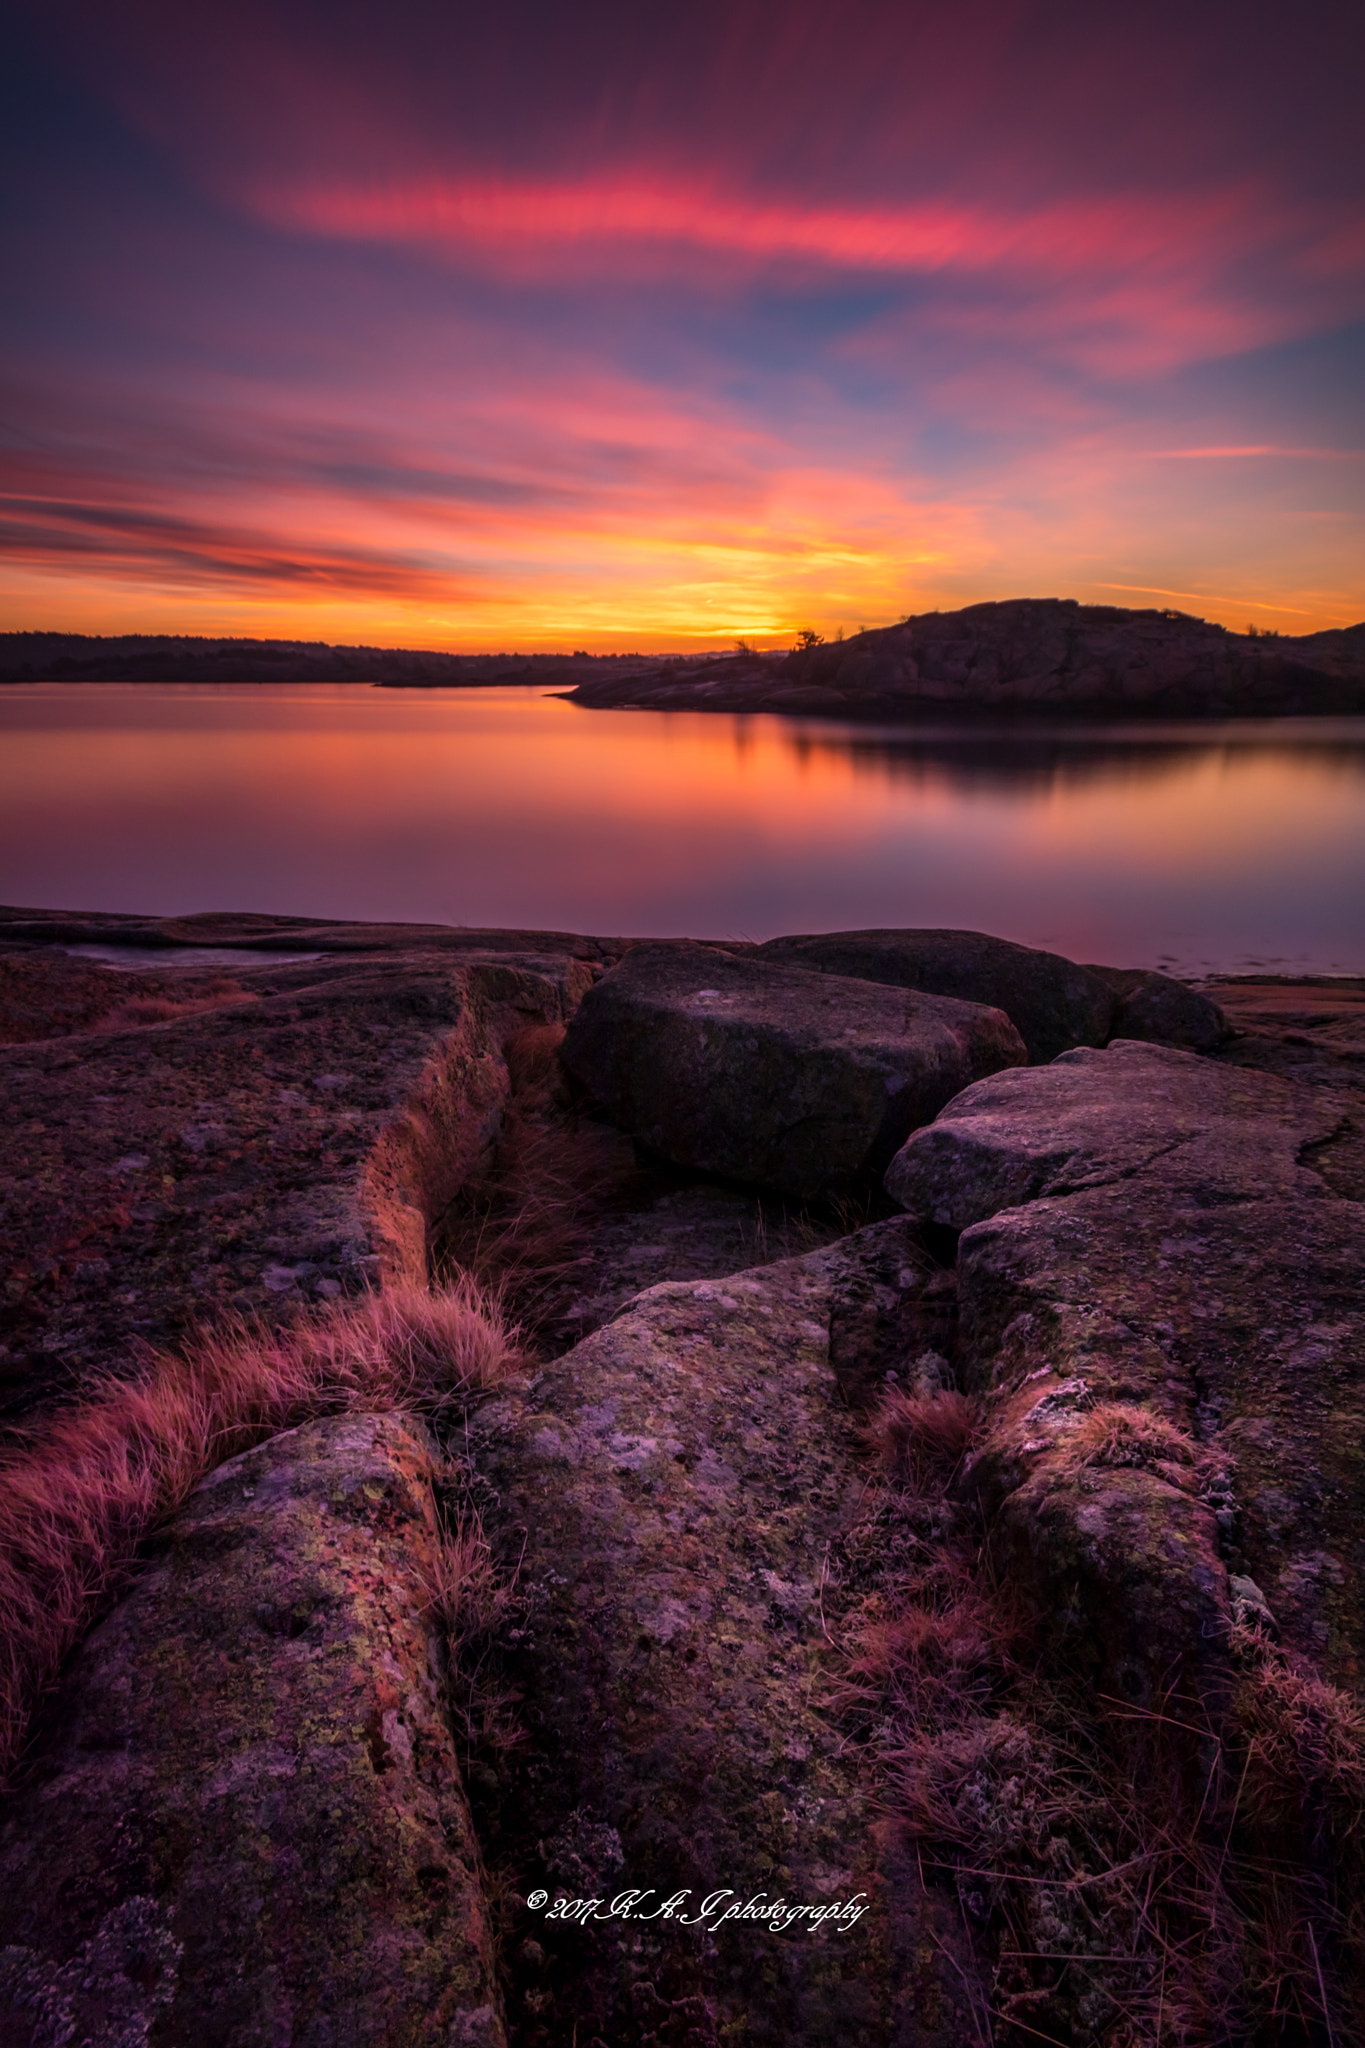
[
  {"x": 1096, "y": 1117},
  {"x": 769, "y": 1073},
  {"x": 1053, "y": 1003}
]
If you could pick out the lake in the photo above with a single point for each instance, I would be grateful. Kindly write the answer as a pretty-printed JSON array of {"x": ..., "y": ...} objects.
[{"x": 1227, "y": 846}]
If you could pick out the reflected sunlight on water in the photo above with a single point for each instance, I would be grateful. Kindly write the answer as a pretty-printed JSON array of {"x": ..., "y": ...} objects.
[{"x": 1208, "y": 846}]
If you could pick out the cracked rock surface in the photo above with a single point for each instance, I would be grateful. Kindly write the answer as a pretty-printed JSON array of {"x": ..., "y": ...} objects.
[
  {"x": 207, "y": 1142},
  {"x": 677, "y": 1492},
  {"x": 1144, "y": 1226}
]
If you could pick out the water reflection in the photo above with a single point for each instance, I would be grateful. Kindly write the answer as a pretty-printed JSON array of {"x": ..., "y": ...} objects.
[
  {"x": 1015, "y": 760},
  {"x": 1205, "y": 847}
]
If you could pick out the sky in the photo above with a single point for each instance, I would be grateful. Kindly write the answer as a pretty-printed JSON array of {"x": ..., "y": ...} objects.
[{"x": 632, "y": 326}]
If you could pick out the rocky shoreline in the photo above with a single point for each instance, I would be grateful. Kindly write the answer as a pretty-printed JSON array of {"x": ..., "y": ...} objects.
[{"x": 934, "y": 1480}]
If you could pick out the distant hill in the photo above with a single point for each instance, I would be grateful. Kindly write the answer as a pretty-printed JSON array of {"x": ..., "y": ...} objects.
[
  {"x": 1036, "y": 655},
  {"x": 180, "y": 658}
]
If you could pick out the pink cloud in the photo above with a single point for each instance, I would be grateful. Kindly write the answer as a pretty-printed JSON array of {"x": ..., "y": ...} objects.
[
  {"x": 1125, "y": 284},
  {"x": 1059, "y": 240}
]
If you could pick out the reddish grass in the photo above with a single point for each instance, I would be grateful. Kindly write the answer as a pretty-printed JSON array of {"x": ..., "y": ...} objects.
[
  {"x": 1304, "y": 1741},
  {"x": 77, "y": 1500},
  {"x": 922, "y": 1438},
  {"x": 162, "y": 1008},
  {"x": 474, "y": 1601},
  {"x": 1123, "y": 1433}
]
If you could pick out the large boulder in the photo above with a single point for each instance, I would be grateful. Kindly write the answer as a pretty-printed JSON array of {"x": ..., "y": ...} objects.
[
  {"x": 1052, "y": 1003},
  {"x": 245, "y": 1820},
  {"x": 1093, "y": 1118},
  {"x": 769, "y": 1073}
]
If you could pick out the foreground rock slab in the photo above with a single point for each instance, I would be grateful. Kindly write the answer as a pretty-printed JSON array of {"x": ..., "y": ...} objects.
[
  {"x": 676, "y": 1492},
  {"x": 769, "y": 1073},
  {"x": 245, "y": 1820}
]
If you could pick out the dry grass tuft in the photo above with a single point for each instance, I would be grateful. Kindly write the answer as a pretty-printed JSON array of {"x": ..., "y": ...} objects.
[
  {"x": 921, "y": 1439},
  {"x": 1304, "y": 1742},
  {"x": 76, "y": 1501},
  {"x": 475, "y": 1602},
  {"x": 467, "y": 1590},
  {"x": 1121, "y": 1433},
  {"x": 928, "y": 1659},
  {"x": 532, "y": 1056},
  {"x": 161, "y": 1007}
]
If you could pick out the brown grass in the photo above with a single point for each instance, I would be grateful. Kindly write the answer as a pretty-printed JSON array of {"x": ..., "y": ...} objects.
[
  {"x": 1304, "y": 1742},
  {"x": 164, "y": 1008},
  {"x": 76, "y": 1501}
]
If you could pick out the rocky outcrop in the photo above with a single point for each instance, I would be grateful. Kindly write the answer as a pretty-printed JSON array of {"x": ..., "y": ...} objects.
[
  {"x": 245, "y": 1821},
  {"x": 1052, "y": 1003},
  {"x": 743, "y": 1659},
  {"x": 1035, "y": 655},
  {"x": 769, "y": 1073},
  {"x": 1098, "y": 1118},
  {"x": 1148, "y": 1232}
]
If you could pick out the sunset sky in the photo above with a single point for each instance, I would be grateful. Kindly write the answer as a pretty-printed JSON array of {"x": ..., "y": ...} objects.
[{"x": 629, "y": 326}]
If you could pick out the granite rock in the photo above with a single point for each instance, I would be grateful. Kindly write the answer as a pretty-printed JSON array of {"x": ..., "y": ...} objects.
[
  {"x": 190, "y": 1143},
  {"x": 1151, "y": 1232},
  {"x": 1052, "y": 1003},
  {"x": 244, "y": 1820},
  {"x": 676, "y": 1493},
  {"x": 770, "y": 1073},
  {"x": 1093, "y": 1118},
  {"x": 1168, "y": 1012}
]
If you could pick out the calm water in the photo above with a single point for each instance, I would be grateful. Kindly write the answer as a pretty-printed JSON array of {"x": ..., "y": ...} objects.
[{"x": 1222, "y": 846}]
